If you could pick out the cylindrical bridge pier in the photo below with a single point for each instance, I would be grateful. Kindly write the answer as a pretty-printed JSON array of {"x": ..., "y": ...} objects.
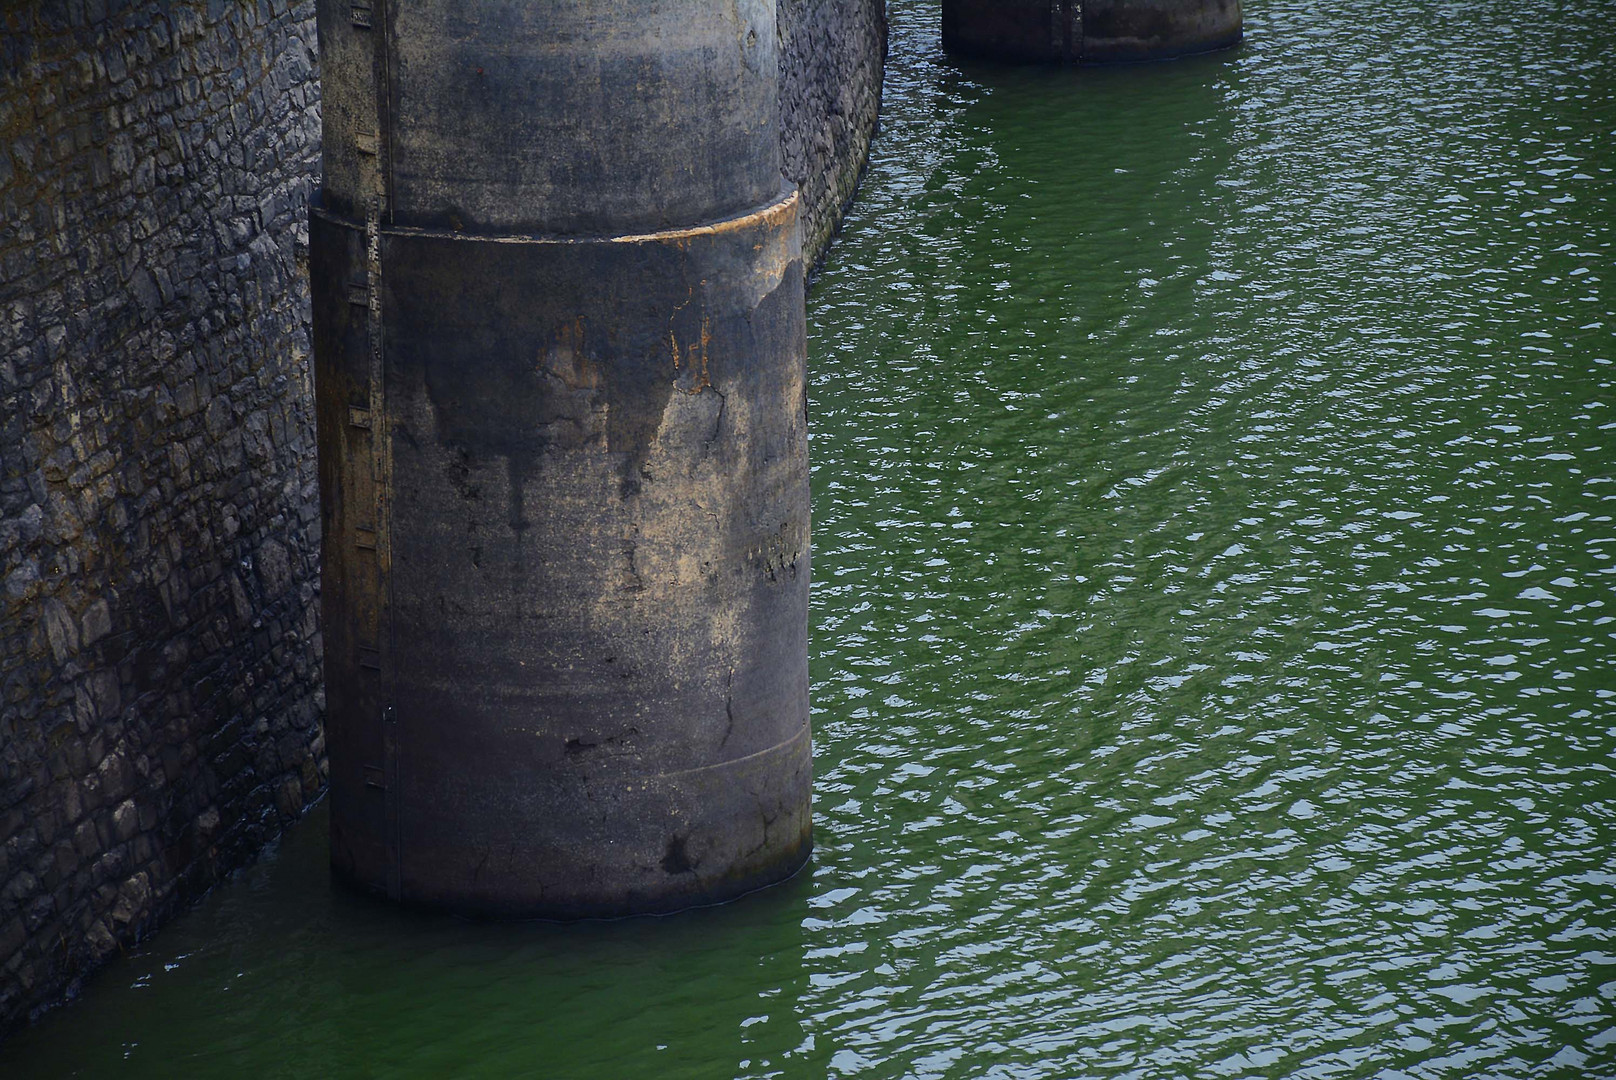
[
  {"x": 559, "y": 350},
  {"x": 1089, "y": 31}
]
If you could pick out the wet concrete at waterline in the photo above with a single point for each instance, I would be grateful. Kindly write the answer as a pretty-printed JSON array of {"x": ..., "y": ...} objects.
[{"x": 1213, "y": 617}]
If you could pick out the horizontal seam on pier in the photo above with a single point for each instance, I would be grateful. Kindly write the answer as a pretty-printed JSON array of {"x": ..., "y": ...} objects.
[
  {"x": 802, "y": 734},
  {"x": 768, "y": 215}
]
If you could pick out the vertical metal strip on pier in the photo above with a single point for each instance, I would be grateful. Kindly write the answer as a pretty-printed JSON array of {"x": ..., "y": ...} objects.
[{"x": 370, "y": 19}]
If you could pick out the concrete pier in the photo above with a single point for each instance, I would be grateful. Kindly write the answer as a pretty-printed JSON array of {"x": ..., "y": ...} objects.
[
  {"x": 1089, "y": 31},
  {"x": 559, "y": 346}
]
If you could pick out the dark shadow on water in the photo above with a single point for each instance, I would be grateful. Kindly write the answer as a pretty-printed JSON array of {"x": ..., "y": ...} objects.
[{"x": 282, "y": 973}]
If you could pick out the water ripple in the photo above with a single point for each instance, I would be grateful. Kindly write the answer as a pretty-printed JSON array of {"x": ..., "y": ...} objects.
[{"x": 1218, "y": 457}]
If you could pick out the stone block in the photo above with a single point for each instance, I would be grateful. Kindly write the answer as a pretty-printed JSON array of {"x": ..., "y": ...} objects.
[
  {"x": 126, "y": 820},
  {"x": 99, "y": 942},
  {"x": 134, "y": 900},
  {"x": 12, "y": 936},
  {"x": 289, "y": 797},
  {"x": 60, "y": 630},
  {"x": 96, "y": 623},
  {"x": 117, "y": 779}
]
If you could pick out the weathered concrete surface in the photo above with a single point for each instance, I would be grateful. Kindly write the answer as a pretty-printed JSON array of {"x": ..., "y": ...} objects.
[
  {"x": 1089, "y": 31},
  {"x": 1036, "y": 31},
  {"x": 564, "y": 478},
  {"x": 159, "y": 654},
  {"x": 1128, "y": 30},
  {"x": 631, "y": 116}
]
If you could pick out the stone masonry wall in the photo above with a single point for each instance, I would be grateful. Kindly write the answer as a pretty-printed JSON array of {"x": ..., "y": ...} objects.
[
  {"x": 159, "y": 528},
  {"x": 832, "y": 53},
  {"x": 159, "y": 653}
]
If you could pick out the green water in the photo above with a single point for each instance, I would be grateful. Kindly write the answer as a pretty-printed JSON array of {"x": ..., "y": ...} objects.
[{"x": 1214, "y": 617}]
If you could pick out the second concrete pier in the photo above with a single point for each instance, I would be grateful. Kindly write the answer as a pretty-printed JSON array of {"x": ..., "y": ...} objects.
[{"x": 1089, "y": 31}]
